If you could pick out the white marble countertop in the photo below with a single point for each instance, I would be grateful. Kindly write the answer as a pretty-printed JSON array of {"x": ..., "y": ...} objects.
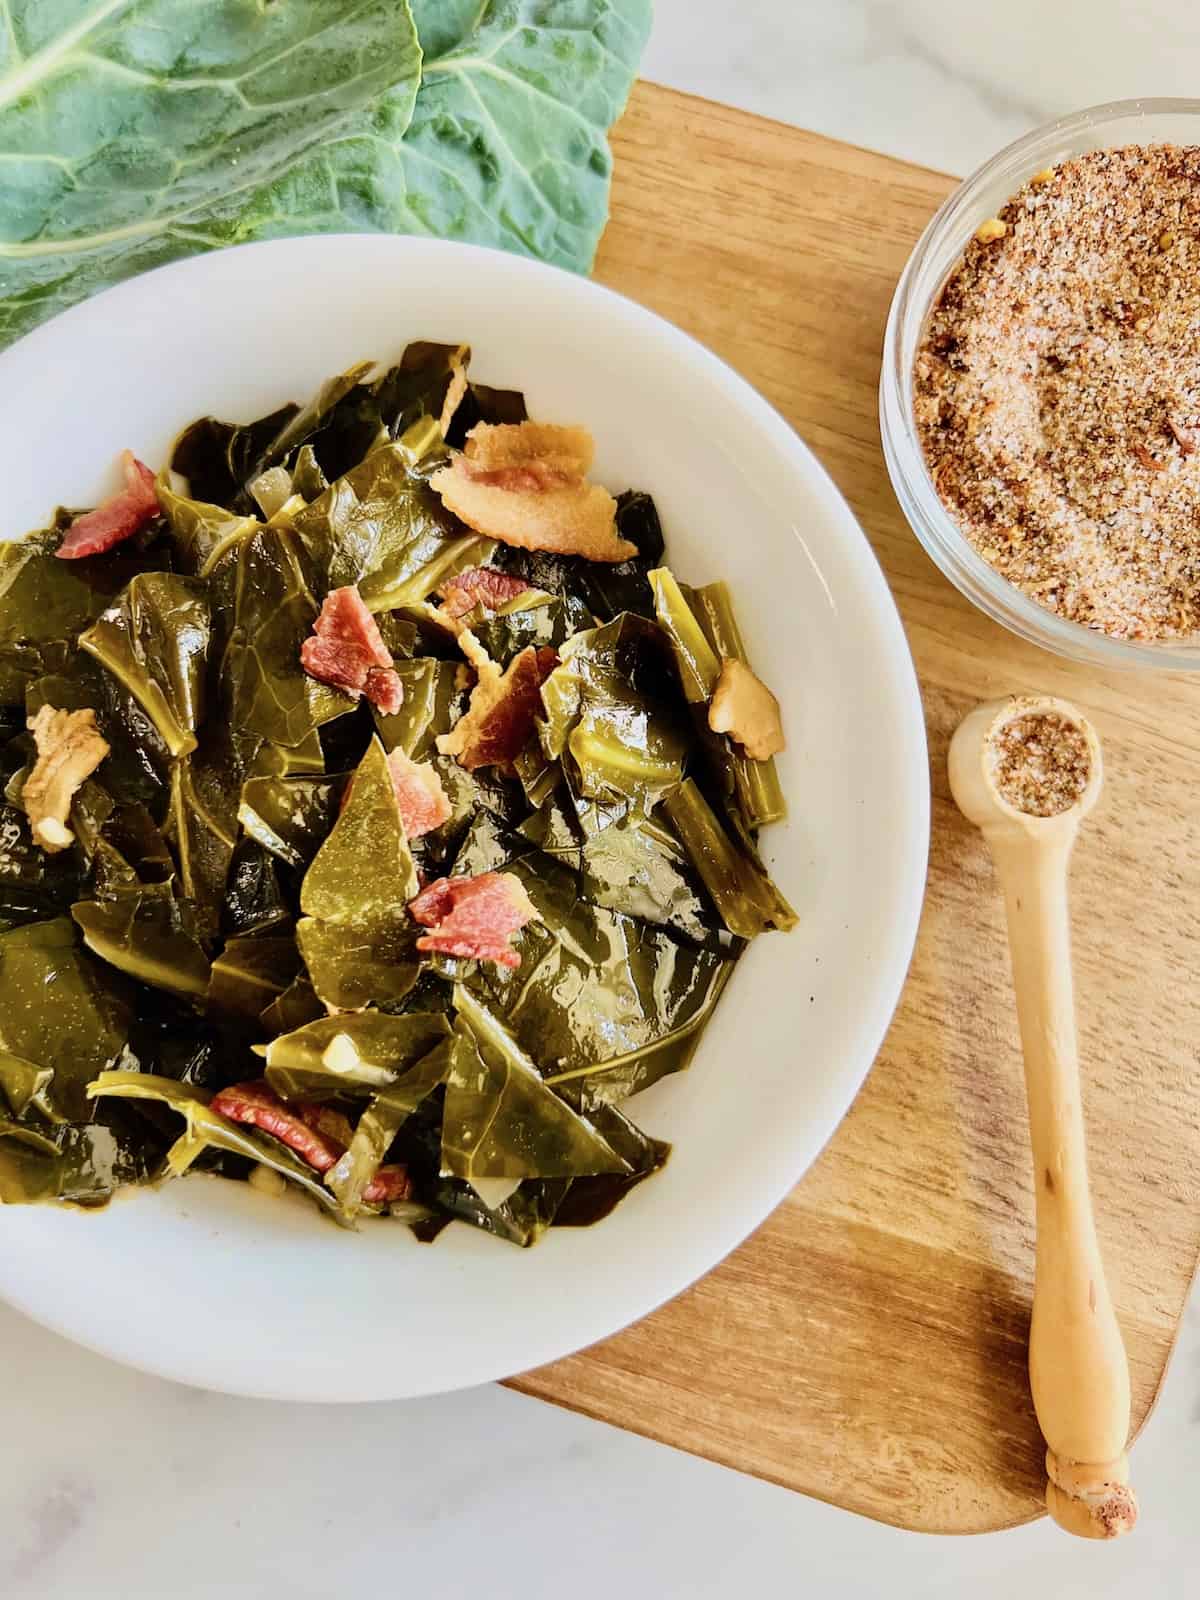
[{"x": 116, "y": 1485}]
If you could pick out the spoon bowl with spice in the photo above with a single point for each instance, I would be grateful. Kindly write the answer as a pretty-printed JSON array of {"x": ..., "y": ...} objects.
[
  {"x": 1040, "y": 394},
  {"x": 1027, "y": 772}
]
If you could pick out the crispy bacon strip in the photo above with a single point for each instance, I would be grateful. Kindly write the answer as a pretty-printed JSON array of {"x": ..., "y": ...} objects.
[
  {"x": 316, "y": 1133},
  {"x": 473, "y": 917},
  {"x": 503, "y": 708},
  {"x": 345, "y": 649},
  {"x": 526, "y": 484},
  {"x": 478, "y": 586},
  {"x": 119, "y": 518}
]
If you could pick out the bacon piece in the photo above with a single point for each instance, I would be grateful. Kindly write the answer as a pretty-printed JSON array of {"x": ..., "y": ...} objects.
[
  {"x": 526, "y": 484},
  {"x": 258, "y": 1106},
  {"x": 389, "y": 1183},
  {"x": 419, "y": 794},
  {"x": 325, "y": 1120},
  {"x": 118, "y": 518},
  {"x": 318, "y": 1134},
  {"x": 478, "y": 586},
  {"x": 503, "y": 708},
  {"x": 346, "y": 649},
  {"x": 473, "y": 917},
  {"x": 69, "y": 749}
]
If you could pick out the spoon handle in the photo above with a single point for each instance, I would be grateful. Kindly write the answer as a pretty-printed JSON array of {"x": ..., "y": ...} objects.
[{"x": 1077, "y": 1367}]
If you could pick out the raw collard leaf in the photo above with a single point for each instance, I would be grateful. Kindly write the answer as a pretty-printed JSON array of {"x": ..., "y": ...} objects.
[
  {"x": 507, "y": 144},
  {"x": 500, "y": 1119},
  {"x": 233, "y": 121},
  {"x": 154, "y": 640},
  {"x": 62, "y": 1014},
  {"x": 315, "y": 101}
]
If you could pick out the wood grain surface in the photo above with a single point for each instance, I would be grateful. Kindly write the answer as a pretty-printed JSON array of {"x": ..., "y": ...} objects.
[{"x": 867, "y": 1344}]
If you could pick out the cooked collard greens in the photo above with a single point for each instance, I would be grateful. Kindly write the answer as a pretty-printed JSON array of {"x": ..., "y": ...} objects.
[{"x": 377, "y": 813}]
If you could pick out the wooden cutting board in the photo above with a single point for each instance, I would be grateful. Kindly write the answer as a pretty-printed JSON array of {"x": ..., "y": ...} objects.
[{"x": 867, "y": 1344}]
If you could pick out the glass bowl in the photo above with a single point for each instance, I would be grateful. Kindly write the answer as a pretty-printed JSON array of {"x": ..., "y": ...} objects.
[{"x": 1123, "y": 122}]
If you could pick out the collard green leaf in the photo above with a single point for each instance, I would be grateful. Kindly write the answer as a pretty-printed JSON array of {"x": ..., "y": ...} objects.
[
  {"x": 364, "y": 869},
  {"x": 249, "y": 974},
  {"x": 356, "y": 1055},
  {"x": 290, "y": 816},
  {"x": 507, "y": 143},
  {"x": 733, "y": 874},
  {"x": 635, "y": 865},
  {"x": 61, "y": 1012},
  {"x": 80, "y": 1165},
  {"x": 151, "y": 937},
  {"x": 270, "y": 694},
  {"x": 500, "y": 1119},
  {"x": 105, "y": 185},
  {"x": 356, "y": 937},
  {"x": 383, "y": 529},
  {"x": 532, "y": 618},
  {"x": 384, "y": 1116},
  {"x": 205, "y": 1129},
  {"x": 201, "y": 822},
  {"x": 253, "y": 900},
  {"x": 297, "y": 1005},
  {"x": 218, "y": 458},
  {"x": 594, "y": 986},
  {"x": 45, "y": 603},
  {"x": 590, "y": 1200},
  {"x": 34, "y": 886},
  {"x": 435, "y": 697},
  {"x": 154, "y": 640},
  {"x": 203, "y": 533},
  {"x": 614, "y": 716},
  {"x": 418, "y": 387},
  {"x": 354, "y": 964}
]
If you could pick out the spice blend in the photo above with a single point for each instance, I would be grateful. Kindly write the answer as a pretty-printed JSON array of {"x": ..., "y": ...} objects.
[
  {"x": 1057, "y": 391},
  {"x": 1041, "y": 763}
]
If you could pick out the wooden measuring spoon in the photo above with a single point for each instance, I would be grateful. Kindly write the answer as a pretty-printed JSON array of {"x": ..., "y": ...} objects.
[{"x": 1077, "y": 1367}]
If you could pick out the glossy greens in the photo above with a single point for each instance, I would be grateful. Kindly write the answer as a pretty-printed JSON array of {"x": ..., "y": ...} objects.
[{"x": 231, "y": 916}]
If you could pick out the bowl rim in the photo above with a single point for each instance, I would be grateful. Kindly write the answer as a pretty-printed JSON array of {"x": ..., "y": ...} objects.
[
  {"x": 931, "y": 521},
  {"x": 780, "y": 1167}
]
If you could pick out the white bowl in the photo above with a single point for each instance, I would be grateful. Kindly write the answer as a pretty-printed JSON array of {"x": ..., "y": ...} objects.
[{"x": 209, "y": 1282}]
